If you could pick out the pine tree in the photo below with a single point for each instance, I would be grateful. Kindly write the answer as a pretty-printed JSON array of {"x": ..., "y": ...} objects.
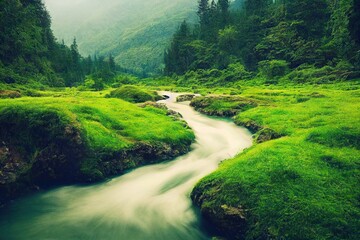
[
  {"x": 75, "y": 53},
  {"x": 177, "y": 57},
  {"x": 310, "y": 15},
  {"x": 204, "y": 16},
  {"x": 224, "y": 12},
  {"x": 354, "y": 24},
  {"x": 112, "y": 64},
  {"x": 76, "y": 68},
  {"x": 256, "y": 7},
  {"x": 203, "y": 11}
]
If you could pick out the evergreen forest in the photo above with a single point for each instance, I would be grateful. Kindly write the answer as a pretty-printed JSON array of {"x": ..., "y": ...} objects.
[
  {"x": 184, "y": 119},
  {"x": 307, "y": 38}
]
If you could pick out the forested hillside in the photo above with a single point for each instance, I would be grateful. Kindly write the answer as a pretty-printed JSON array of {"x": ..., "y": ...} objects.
[
  {"x": 309, "y": 38},
  {"x": 29, "y": 52},
  {"x": 114, "y": 27}
]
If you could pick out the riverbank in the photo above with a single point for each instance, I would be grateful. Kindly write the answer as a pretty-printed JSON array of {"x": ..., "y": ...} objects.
[
  {"x": 301, "y": 184},
  {"x": 46, "y": 141},
  {"x": 147, "y": 203}
]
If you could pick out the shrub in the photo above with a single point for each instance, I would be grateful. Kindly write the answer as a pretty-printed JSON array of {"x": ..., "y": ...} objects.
[
  {"x": 273, "y": 68},
  {"x": 132, "y": 94},
  {"x": 326, "y": 74}
]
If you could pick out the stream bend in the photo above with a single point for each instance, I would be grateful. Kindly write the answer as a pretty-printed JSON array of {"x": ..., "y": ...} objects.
[{"x": 150, "y": 202}]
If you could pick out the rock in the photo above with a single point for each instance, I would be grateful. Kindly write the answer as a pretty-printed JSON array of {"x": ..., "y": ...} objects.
[
  {"x": 9, "y": 94},
  {"x": 140, "y": 154},
  {"x": 165, "y": 97},
  {"x": 249, "y": 124},
  {"x": 153, "y": 104},
  {"x": 11, "y": 164},
  {"x": 267, "y": 134},
  {"x": 222, "y": 106},
  {"x": 169, "y": 112},
  {"x": 229, "y": 221},
  {"x": 185, "y": 97}
]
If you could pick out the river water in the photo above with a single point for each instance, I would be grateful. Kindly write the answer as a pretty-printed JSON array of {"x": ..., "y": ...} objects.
[{"x": 147, "y": 203}]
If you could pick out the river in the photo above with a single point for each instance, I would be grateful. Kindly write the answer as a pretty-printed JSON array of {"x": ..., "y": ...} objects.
[{"x": 150, "y": 202}]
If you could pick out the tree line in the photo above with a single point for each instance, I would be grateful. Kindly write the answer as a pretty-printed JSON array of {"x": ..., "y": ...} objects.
[
  {"x": 30, "y": 52},
  {"x": 253, "y": 33}
]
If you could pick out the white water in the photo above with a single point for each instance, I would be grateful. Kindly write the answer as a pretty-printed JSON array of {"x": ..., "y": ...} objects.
[{"x": 150, "y": 202}]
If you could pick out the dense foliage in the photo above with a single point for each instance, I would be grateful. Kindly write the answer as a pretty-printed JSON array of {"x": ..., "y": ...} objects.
[
  {"x": 134, "y": 94},
  {"x": 29, "y": 50},
  {"x": 271, "y": 36}
]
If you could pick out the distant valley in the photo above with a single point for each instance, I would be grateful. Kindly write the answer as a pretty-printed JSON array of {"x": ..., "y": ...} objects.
[{"x": 115, "y": 27}]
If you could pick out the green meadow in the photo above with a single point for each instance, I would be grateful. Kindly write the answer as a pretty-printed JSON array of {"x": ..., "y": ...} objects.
[{"x": 304, "y": 185}]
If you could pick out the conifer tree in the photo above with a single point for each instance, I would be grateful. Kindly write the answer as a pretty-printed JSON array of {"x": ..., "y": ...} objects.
[
  {"x": 112, "y": 64},
  {"x": 224, "y": 12}
]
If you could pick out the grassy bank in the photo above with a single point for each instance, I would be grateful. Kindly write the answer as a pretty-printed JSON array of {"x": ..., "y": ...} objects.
[
  {"x": 56, "y": 139},
  {"x": 303, "y": 185}
]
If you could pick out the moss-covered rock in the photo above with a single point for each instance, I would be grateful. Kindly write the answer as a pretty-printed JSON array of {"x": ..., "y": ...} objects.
[
  {"x": 46, "y": 142},
  {"x": 177, "y": 116},
  {"x": 185, "y": 97},
  {"x": 229, "y": 221},
  {"x": 249, "y": 124},
  {"x": 223, "y": 106},
  {"x": 40, "y": 148},
  {"x": 134, "y": 94},
  {"x": 266, "y": 134}
]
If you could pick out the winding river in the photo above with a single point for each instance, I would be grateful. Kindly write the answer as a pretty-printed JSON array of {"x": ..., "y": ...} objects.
[{"x": 147, "y": 203}]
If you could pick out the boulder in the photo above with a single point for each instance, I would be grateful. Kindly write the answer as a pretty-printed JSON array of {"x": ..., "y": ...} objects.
[
  {"x": 267, "y": 134},
  {"x": 185, "y": 97}
]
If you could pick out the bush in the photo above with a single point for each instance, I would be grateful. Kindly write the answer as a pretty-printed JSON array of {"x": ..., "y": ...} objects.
[
  {"x": 132, "y": 94},
  {"x": 273, "y": 68},
  {"x": 326, "y": 74},
  {"x": 9, "y": 76}
]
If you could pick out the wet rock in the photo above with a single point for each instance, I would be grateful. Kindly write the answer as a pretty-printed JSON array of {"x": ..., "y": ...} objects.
[
  {"x": 153, "y": 104},
  {"x": 222, "y": 106},
  {"x": 11, "y": 164},
  {"x": 228, "y": 221},
  {"x": 249, "y": 124},
  {"x": 177, "y": 116},
  {"x": 140, "y": 154},
  {"x": 185, "y": 97},
  {"x": 267, "y": 134}
]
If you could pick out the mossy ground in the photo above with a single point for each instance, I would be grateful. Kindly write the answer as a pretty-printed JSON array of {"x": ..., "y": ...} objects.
[
  {"x": 109, "y": 124},
  {"x": 304, "y": 185},
  {"x": 134, "y": 94},
  {"x": 85, "y": 134}
]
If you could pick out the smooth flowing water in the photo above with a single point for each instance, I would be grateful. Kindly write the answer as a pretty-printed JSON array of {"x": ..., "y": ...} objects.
[{"x": 147, "y": 203}]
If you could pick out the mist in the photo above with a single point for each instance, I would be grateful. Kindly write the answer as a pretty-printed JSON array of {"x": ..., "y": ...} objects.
[{"x": 124, "y": 28}]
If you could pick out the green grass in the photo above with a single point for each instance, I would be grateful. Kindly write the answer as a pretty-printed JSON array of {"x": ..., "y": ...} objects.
[
  {"x": 107, "y": 126},
  {"x": 134, "y": 94},
  {"x": 109, "y": 123},
  {"x": 304, "y": 185},
  {"x": 222, "y": 105}
]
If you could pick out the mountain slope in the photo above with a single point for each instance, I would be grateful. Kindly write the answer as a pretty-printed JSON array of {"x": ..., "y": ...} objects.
[{"x": 136, "y": 32}]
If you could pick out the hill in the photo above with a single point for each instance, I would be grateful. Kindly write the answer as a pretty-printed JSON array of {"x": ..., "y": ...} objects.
[{"x": 115, "y": 27}]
